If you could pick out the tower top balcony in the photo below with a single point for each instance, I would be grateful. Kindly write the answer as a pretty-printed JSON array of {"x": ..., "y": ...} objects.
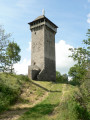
[{"x": 42, "y": 20}]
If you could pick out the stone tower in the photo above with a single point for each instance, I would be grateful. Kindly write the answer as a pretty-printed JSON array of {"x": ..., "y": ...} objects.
[{"x": 43, "y": 66}]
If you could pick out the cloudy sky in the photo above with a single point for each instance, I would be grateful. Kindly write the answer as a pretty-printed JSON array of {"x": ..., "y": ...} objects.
[{"x": 71, "y": 16}]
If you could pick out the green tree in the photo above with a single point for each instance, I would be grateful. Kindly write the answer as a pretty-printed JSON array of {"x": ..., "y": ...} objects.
[
  {"x": 82, "y": 56},
  {"x": 12, "y": 52},
  {"x": 77, "y": 73},
  {"x": 58, "y": 74},
  {"x": 61, "y": 78},
  {"x": 4, "y": 40},
  {"x": 65, "y": 78}
]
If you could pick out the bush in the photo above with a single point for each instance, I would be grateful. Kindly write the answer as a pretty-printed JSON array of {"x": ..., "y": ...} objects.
[
  {"x": 10, "y": 89},
  {"x": 85, "y": 90}
]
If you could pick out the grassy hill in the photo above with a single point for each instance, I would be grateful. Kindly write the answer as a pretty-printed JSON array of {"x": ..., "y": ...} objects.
[{"x": 24, "y": 99}]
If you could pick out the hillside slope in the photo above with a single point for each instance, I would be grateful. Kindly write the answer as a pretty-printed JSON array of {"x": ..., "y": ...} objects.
[
  {"x": 37, "y": 100},
  {"x": 17, "y": 94},
  {"x": 62, "y": 103}
]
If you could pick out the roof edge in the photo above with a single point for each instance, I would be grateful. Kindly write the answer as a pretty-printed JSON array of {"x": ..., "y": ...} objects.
[{"x": 42, "y": 17}]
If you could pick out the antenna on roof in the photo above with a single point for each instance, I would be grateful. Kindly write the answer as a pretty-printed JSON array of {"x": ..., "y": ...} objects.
[{"x": 43, "y": 12}]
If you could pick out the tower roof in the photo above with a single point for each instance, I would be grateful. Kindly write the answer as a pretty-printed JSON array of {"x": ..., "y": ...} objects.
[
  {"x": 39, "y": 17},
  {"x": 42, "y": 17}
]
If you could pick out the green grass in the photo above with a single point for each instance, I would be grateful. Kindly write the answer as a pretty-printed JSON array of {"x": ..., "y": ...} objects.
[
  {"x": 61, "y": 104},
  {"x": 71, "y": 108},
  {"x": 12, "y": 86},
  {"x": 46, "y": 107},
  {"x": 10, "y": 89}
]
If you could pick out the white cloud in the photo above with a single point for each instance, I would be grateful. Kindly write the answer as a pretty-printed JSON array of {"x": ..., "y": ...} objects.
[
  {"x": 88, "y": 0},
  {"x": 29, "y": 48},
  {"x": 63, "y": 62},
  {"x": 88, "y": 18},
  {"x": 22, "y": 67}
]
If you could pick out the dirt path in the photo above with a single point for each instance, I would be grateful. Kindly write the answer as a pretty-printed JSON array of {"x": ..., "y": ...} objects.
[
  {"x": 18, "y": 109},
  {"x": 64, "y": 90}
]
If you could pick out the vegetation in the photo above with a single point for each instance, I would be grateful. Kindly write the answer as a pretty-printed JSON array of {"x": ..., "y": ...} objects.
[
  {"x": 45, "y": 100},
  {"x": 9, "y": 52},
  {"x": 18, "y": 89},
  {"x": 12, "y": 52},
  {"x": 85, "y": 91},
  {"x": 82, "y": 56},
  {"x": 4, "y": 40},
  {"x": 10, "y": 89},
  {"x": 61, "y": 78},
  {"x": 80, "y": 72},
  {"x": 63, "y": 102}
]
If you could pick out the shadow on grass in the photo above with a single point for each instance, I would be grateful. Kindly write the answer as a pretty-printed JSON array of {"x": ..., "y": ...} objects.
[
  {"x": 40, "y": 110},
  {"x": 44, "y": 87}
]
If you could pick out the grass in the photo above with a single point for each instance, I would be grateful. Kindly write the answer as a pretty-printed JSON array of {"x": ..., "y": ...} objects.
[
  {"x": 9, "y": 90},
  {"x": 41, "y": 110},
  {"x": 17, "y": 89},
  {"x": 70, "y": 108},
  {"x": 63, "y": 102},
  {"x": 85, "y": 90}
]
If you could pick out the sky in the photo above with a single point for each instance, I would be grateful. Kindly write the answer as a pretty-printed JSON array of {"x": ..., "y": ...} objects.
[{"x": 71, "y": 16}]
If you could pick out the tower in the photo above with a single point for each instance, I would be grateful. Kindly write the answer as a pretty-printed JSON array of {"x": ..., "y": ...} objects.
[{"x": 42, "y": 49}]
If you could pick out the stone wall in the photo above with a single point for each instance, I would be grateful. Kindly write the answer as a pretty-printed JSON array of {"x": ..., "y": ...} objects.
[
  {"x": 42, "y": 54},
  {"x": 37, "y": 47},
  {"x": 50, "y": 65},
  {"x": 48, "y": 73}
]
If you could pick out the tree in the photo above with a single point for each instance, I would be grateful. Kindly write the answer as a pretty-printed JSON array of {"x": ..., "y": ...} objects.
[
  {"x": 9, "y": 52},
  {"x": 77, "y": 73},
  {"x": 58, "y": 74},
  {"x": 4, "y": 40},
  {"x": 82, "y": 56},
  {"x": 65, "y": 78},
  {"x": 61, "y": 78},
  {"x": 87, "y": 42},
  {"x": 12, "y": 52}
]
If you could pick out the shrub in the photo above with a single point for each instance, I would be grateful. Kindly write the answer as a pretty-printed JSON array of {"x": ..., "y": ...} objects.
[{"x": 10, "y": 89}]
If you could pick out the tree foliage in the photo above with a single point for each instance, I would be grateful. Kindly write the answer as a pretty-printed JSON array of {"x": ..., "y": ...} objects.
[
  {"x": 61, "y": 78},
  {"x": 4, "y": 40},
  {"x": 82, "y": 56},
  {"x": 12, "y": 52},
  {"x": 9, "y": 52}
]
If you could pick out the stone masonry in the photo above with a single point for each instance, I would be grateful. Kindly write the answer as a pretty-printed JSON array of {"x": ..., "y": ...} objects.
[{"x": 42, "y": 50}]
